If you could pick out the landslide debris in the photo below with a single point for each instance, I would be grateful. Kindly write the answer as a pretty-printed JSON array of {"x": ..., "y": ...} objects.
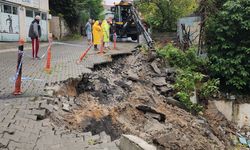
[{"x": 134, "y": 96}]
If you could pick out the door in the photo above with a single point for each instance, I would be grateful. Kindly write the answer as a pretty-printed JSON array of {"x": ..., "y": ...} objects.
[{"x": 9, "y": 23}]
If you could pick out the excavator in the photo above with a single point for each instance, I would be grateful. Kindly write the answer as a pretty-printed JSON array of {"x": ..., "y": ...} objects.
[{"x": 127, "y": 23}]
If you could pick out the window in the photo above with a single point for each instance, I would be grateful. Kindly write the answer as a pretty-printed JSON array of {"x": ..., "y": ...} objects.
[
  {"x": 37, "y": 13},
  {"x": 44, "y": 16},
  {"x": 14, "y": 10},
  {"x": 29, "y": 13},
  {"x": 7, "y": 9}
]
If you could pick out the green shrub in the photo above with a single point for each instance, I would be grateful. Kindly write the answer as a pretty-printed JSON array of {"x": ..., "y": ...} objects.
[
  {"x": 209, "y": 88},
  {"x": 187, "y": 80},
  {"x": 181, "y": 59},
  {"x": 189, "y": 75},
  {"x": 185, "y": 84},
  {"x": 229, "y": 45},
  {"x": 185, "y": 99}
]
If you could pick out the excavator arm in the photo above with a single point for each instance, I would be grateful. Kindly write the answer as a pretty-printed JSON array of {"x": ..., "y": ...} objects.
[{"x": 140, "y": 27}]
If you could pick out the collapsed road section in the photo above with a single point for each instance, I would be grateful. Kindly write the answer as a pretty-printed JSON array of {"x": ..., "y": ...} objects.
[{"x": 134, "y": 96}]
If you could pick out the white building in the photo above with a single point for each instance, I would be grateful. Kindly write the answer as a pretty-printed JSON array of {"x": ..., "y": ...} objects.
[{"x": 16, "y": 16}]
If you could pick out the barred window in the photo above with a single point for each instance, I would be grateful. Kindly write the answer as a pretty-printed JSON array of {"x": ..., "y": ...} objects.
[
  {"x": 37, "y": 13},
  {"x": 44, "y": 16},
  {"x": 7, "y": 9},
  {"x": 14, "y": 11},
  {"x": 29, "y": 13}
]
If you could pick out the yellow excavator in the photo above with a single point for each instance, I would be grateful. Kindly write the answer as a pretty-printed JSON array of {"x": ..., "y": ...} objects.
[{"x": 127, "y": 23}]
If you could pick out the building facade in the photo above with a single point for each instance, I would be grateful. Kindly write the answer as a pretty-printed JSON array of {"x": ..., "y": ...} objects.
[{"x": 16, "y": 16}]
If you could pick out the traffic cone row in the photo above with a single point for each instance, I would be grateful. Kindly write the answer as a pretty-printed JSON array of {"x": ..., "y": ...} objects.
[{"x": 48, "y": 62}]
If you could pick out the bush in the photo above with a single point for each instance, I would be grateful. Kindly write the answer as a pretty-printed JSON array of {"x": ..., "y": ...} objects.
[
  {"x": 180, "y": 59},
  {"x": 164, "y": 14},
  {"x": 229, "y": 45},
  {"x": 189, "y": 75},
  {"x": 185, "y": 84},
  {"x": 210, "y": 87}
]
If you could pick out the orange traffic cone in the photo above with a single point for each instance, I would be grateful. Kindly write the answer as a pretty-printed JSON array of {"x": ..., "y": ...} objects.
[
  {"x": 48, "y": 63},
  {"x": 115, "y": 41},
  {"x": 18, "y": 76},
  {"x": 84, "y": 54}
]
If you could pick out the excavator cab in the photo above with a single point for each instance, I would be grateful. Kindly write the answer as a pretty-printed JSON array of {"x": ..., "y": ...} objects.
[{"x": 123, "y": 23}]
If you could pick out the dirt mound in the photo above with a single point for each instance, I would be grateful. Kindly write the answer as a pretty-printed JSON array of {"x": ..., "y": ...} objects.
[{"x": 132, "y": 96}]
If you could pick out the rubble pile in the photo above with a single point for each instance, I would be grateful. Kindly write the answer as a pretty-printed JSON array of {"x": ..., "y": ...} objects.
[{"x": 133, "y": 96}]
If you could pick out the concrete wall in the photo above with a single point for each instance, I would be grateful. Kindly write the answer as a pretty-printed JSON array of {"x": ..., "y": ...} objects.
[
  {"x": 44, "y": 5},
  {"x": 239, "y": 113},
  {"x": 192, "y": 23},
  {"x": 20, "y": 21},
  {"x": 58, "y": 27}
]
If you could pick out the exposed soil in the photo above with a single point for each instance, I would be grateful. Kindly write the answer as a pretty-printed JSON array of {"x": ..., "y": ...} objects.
[{"x": 132, "y": 96}]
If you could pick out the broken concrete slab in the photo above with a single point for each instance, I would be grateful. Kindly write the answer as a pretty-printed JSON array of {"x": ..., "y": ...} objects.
[
  {"x": 153, "y": 115},
  {"x": 174, "y": 102},
  {"x": 155, "y": 67},
  {"x": 50, "y": 93},
  {"x": 164, "y": 89},
  {"x": 159, "y": 81},
  {"x": 131, "y": 142},
  {"x": 66, "y": 107},
  {"x": 152, "y": 112},
  {"x": 170, "y": 71},
  {"x": 132, "y": 76},
  {"x": 152, "y": 126}
]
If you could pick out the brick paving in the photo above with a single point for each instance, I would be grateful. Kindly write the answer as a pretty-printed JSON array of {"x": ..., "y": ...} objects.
[
  {"x": 24, "y": 121},
  {"x": 24, "y": 126},
  {"x": 63, "y": 67}
]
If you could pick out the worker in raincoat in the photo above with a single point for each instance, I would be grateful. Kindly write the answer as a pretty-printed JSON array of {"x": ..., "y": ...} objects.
[
  {"x": 97, "y": 34},
  {"x": 106, "y": 34}
]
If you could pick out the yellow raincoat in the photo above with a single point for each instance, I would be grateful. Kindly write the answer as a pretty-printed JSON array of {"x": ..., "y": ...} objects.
[
  {"x": 105, "y": 30},
  {"x": 97, "y": 33}
]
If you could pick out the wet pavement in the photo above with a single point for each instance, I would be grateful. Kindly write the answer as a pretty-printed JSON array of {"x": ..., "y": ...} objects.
[
  {"x": 24, "y": 121},
  {"x": 24, "y": 126},
  {"x": 63, "y": 64}
]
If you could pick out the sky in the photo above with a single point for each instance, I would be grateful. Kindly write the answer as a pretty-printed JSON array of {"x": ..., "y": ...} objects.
[{"x": 110, "y": 2}]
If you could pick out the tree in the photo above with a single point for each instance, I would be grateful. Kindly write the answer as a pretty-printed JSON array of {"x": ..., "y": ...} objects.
[
  {"x": 207, "y": 8},
  {"x": 95, "y": 8},
  {"x": 228, "y": 44},
  {"x": 165, "y": 13},
  {"x": 68, "y": 10},
  {"x": 74, "y": 11}
]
